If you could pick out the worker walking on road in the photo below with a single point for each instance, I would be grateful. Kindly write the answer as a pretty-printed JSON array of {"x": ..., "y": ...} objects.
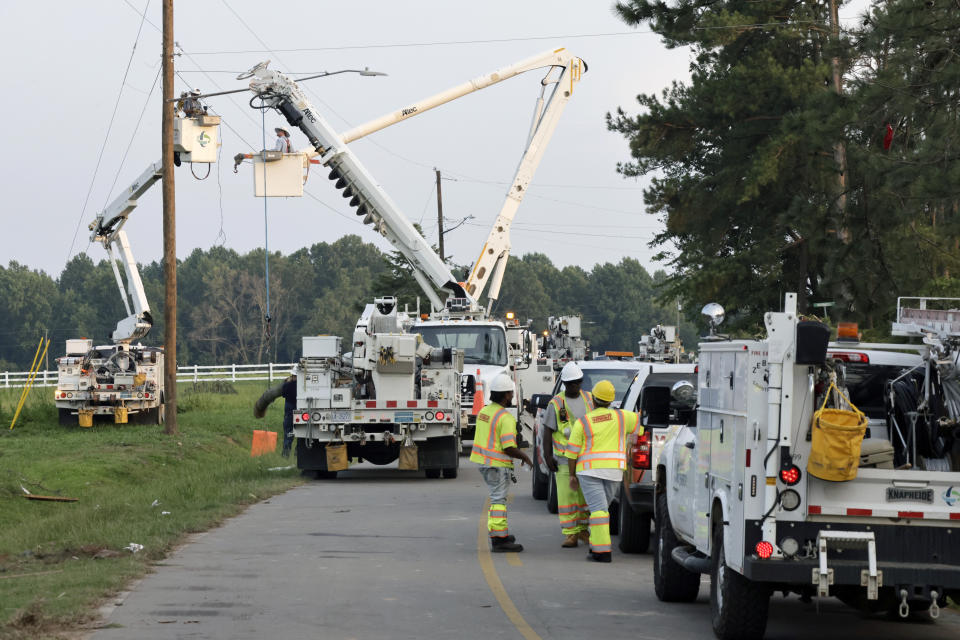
[
  {"x": 596, "y": 457},
  {"x": 494, "y": 446},
  {"x": 564, "y": 410}
]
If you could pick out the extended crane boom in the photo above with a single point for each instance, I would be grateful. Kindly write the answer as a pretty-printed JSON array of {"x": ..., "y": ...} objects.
[
  {"x": 280, "y": 92},
  {"x": 107, "y": 229}
]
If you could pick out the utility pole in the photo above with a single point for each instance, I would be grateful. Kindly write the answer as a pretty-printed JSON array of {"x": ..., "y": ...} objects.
[
  {"x": 439, "y": 213},
  {"x": 839, "y": 149},
  {"x": 169, "y": 230}
]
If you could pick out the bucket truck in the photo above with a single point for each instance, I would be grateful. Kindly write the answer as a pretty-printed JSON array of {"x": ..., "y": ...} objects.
[
  {"x": 457, "y": 329},
  {"x": 123, "y": 379}
]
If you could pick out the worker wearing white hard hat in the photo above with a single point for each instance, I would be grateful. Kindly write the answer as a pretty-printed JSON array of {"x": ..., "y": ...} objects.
[
  {"x": 565, "y": 408},
  {"x": 494, "y": 448},
  {"x": 283, "y": 140}
]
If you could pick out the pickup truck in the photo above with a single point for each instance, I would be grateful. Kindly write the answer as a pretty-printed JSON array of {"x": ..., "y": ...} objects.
[
  {"x": 737, "y": 497},
  {"x": 664, "y": 396}
]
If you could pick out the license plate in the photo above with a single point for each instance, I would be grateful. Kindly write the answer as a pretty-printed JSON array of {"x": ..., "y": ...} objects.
[
  {"x": 340, "y": 416},
  {"x": 904, "y": 494}
]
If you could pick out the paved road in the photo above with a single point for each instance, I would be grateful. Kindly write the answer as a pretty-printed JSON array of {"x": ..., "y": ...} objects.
[{"x": 381, "y": 553}]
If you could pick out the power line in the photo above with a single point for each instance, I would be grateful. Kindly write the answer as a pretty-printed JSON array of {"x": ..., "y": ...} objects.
[
  {"x": 442, "y": 43},
  {"x": 106, "y": 138}
]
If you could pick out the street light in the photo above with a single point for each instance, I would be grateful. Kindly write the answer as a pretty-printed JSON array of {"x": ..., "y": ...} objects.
[{"x": 249, "y": 74}]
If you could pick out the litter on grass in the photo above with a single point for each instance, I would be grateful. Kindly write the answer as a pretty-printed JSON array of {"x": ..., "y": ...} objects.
[{"x": 133, "y": 547}]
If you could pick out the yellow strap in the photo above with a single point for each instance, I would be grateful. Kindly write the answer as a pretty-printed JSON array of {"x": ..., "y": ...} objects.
[{"x": 842, "y": 395}]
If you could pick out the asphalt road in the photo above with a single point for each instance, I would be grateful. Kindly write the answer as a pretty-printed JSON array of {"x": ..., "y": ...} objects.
[{"x": 380, "y": 553}]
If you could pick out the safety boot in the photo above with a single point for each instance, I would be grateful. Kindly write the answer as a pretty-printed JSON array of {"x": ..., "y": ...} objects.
[
  {"x": 502, "y": 544},
  {"x": 584, "y": 536},
  {"x": 599, "y": 557},
  {"x": 571, "y": 541}
]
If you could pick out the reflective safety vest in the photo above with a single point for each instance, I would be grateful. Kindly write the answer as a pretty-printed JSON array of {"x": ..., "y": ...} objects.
[
  {"x": 599, "y": 439},
  {"x": 558, "y": 401},
  {"x": 496, "y": 430}
]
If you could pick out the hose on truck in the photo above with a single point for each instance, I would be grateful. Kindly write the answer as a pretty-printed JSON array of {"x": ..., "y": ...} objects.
[{"x": 933, "y": 443}]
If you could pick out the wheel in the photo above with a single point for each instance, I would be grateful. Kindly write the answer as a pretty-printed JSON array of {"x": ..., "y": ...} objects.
[
  {"x": 67, "y": 418},
  {"x": 738, "y": 606},
  {"x": 540, "y": 480},
  {"x": 450, "y": 472},
  {"x": 325, "y": 475},
  {"x": 614, "y": 511},
  {"x": 432, "y": 473},
  {"x": 634, "y": 528},
  {"x": 671, "y": 582},
  {"x": 552, "y": 492}
]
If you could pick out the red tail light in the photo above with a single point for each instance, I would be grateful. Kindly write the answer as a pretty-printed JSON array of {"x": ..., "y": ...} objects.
[
  {"x": 305, "y": 417},
  {"x": 790, "y": 475},
  {"x": 850, "y": 356},
  {"x": 764, "y": 549},
  {"x": 641, "y": 452},
  {"x": 441, "y": 415}
]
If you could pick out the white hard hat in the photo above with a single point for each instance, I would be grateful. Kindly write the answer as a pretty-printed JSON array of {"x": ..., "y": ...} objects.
[
  {"x": 571, "y": 372},
  {"x": 502, "y": 383}
]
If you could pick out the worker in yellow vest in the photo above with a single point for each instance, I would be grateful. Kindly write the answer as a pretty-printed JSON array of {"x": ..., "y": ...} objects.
[
  {"x": 596, "y": 456},
  {"x": 561, "y": 414},
  {"x": 494, "y": 447}
]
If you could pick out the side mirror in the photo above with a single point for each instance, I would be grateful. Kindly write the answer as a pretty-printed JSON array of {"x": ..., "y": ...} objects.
[{"x": 540, "y": 401}]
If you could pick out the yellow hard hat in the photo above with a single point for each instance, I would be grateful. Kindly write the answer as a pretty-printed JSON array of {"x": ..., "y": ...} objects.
[{"x": 604, "y": 391}]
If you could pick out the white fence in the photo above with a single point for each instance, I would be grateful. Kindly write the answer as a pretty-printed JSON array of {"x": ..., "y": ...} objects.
[{"x": 191, "y": 373}]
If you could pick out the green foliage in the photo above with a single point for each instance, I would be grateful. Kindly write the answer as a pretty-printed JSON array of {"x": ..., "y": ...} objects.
[
  {"x": 317, "y": 290},
  {"x": 744, "y": 165}
]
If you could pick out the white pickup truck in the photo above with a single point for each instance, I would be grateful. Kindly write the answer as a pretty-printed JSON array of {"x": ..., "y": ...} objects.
[{"x": 736, "y": 500}]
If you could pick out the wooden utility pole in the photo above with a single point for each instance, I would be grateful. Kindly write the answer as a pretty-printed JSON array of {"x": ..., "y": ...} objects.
[
  {"x": 169, "y": 230},
  {"x": 439, "y": 213},
  {"x": 839, "y": 149}
]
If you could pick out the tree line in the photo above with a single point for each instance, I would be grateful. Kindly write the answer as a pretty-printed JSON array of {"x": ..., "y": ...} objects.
[
  {"x": 222, "y": 300},
  {"x": 802, "y": 156}
]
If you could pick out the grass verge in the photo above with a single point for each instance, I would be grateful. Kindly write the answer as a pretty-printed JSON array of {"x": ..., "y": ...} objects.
[{"x": 133, "y": 484}]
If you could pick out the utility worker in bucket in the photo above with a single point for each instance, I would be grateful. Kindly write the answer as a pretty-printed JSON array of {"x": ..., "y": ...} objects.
[
  {"x": 596, "y": 457},
  {"x": 283, "y": 141},
  {"x": 561, "y": 414},
  {"x": 494, "y": 447}
]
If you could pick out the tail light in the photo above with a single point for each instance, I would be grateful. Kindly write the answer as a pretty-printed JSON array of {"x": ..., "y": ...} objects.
[
  {"x": 441, "y": 415},
  {"x": 641, "y": 452},
  {"x": 790, "y": 475},
  {"x": 850, "y": 356},
  {"x": 764, "y": 549},
  {"x": 305, "y": 417}
]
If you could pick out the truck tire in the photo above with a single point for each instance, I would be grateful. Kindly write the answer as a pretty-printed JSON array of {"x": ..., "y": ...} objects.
[
  {"x": 540, "y": 480},
  {"x": 634, "y": 528},
  {"x": 738, "y": 606},
  {"x": 326, "y": 475},
  {"x": 450, "y": 472},
  {"x": 671, "y": 582},
  {"x": 66, "y": 418},
  {"x": 433, "y": 474},
  {"x": 552, "y": 493}
]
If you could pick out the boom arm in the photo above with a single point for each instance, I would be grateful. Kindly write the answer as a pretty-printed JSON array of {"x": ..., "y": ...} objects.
[
  {"x": 492, "y": 262},
  {"x": 278, "y": 91},
  {"x": 107, "y": 229}
]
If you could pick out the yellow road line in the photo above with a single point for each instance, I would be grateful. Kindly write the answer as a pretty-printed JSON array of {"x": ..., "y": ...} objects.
[
  {"x": 514, "y": 560},
  {"x": 496, "y": 586}
]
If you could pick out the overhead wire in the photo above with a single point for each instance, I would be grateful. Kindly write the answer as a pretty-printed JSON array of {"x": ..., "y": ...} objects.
[{"x": 106, "y": 137}]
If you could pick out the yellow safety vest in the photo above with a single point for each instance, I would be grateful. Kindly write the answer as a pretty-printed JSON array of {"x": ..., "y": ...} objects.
[
  {"x": 496, "y": 430},
  {"x": 599, "y": 439},
  {"x": 558, "y": 401}
]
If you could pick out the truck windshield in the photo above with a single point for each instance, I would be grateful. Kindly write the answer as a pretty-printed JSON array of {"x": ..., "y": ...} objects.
[{"x": 480, "y": 345}]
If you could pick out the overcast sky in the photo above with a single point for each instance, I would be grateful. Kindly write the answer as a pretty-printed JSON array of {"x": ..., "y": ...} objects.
[{"x": 65, "y": 62}]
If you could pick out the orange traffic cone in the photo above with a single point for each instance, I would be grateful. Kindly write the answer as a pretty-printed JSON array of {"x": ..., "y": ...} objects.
[{"x": 477, "y": 394}]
